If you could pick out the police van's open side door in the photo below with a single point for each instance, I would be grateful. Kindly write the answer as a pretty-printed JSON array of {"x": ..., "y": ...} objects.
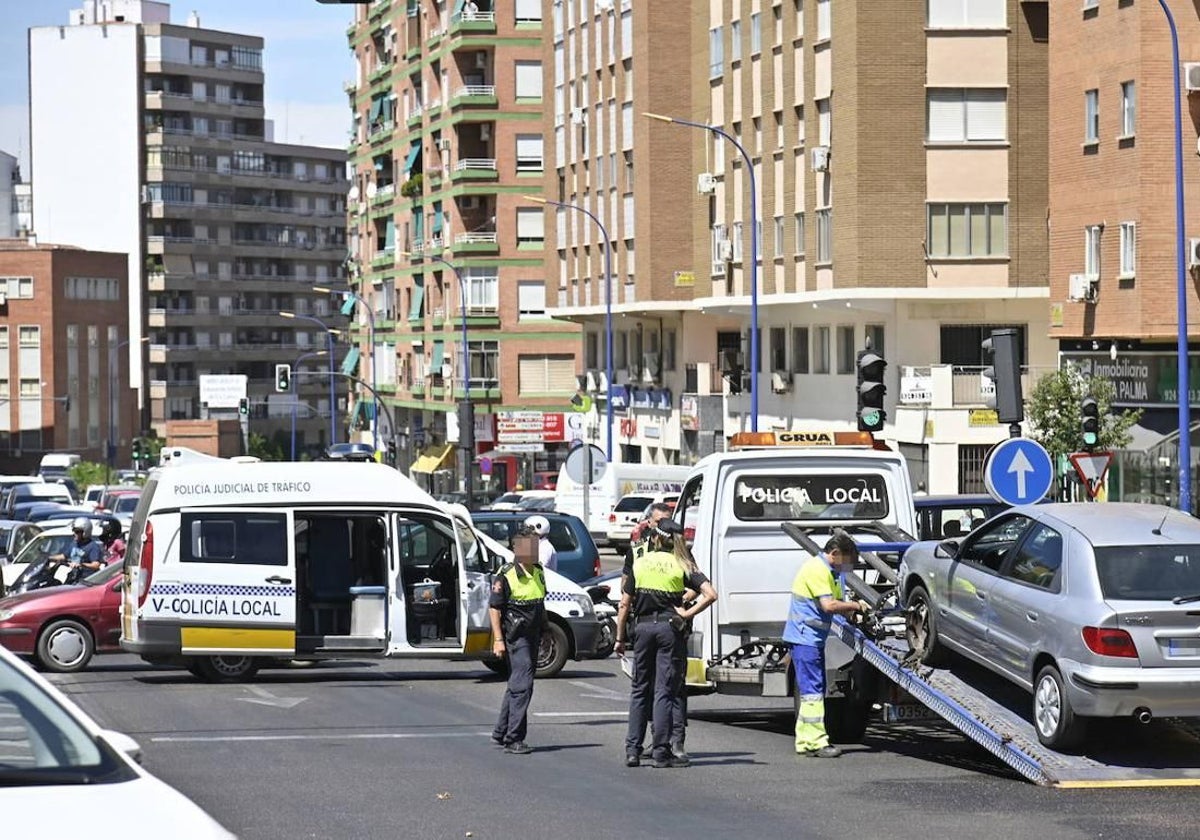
[{"x": 475, "y": 589}]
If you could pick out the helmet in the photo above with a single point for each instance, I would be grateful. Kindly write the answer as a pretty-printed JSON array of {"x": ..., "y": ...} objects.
[
  {"x": 539, "y": 524},
  {"x": 81, "y": 523},
  {"x": 110, "y": 530}
]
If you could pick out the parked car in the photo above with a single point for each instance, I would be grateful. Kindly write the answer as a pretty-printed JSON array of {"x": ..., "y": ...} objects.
[
  {"x": 629, "y": 511},
  {"x": 578, "y": 557},
  {"x": 36, "y": 491},
  {"x": 507, "y": 501},
  {"x": 108, "y": 501},
  {"x": 1089, "y": 607},
  {"x": 536, "y": 504},
  {"x": 350, "y": 452},
  {"x": 55, "y": 754},
  {"x": 13, "y": 537},
  {"x": 946, "y": 517},
  {"x": 92, "y": 494},
  {"x": 42, "y": 511}
]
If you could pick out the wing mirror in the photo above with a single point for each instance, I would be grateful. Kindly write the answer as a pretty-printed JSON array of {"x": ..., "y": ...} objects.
[
  {"x": 946, "y": 549},
  {"x": 122, "y": 743}
]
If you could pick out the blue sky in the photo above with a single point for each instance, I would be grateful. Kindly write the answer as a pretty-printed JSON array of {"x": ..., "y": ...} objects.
[{"x": 305, "y": 59}]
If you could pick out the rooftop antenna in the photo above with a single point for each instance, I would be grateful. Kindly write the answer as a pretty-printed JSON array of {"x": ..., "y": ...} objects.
[{"x": 1158, "y": 531}]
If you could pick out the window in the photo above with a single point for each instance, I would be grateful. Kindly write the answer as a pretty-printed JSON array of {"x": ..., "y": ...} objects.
[
  {"x": 966, "y": 115},
  {"x": 825, "y": 235},
  {"x": 821, "y": 363},
  {"x": 990, "y": 545},
  {"x": 668, "y": 349},
  {"x": 823, "y": 21},
  {"x": 736, "y": 239},
  {"x": 29, "y": 336},
  {"x": 824, "y": 122},
  {"x": 531, "y": 226},
  {"x": 846, "y": 350},
  {"x": 4, "y": 338},
  {"x": 735, "y": 41},
  {"x": 528, "y": 11},
  {"x": 485, "y": 363},
  {"x": 716, "y": 53},
  {"x": 483, "y": 288},
  {"x": 779, "y": 236},
  {"x": 1038, "y": 559},
  {"x": 961, "y": 347},
  {"x": 256, "y": 538},
  {"x": 546, "y": 374},
  {"x": 1091, "y": 116},
  {"x": 874, "y": 335},
  {"x": 966, "y": 14},
  {"x": 529, "y": 79},
  {"x": 17, "y": 287},
  {"x": 755, "y": 33},
  {"x": 531, "y": 299},
  {"x": 719, "y": 240},
  {"x": 967, "y": 230},
  {"x": 778, "y": 349},
  {"x": 530, "y": 154},
  {"x": 30, "y": 388},
  {"x": 799, "y": 349},
  {"x": 1091, "y": 250},
  {"x": 1128, "y": 249},
  {"x": 1128, "y": 109},
  {"x": 799, "y": 233}
]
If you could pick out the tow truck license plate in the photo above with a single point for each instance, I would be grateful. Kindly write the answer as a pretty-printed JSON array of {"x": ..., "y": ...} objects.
[{"x": 904, "y": 712}]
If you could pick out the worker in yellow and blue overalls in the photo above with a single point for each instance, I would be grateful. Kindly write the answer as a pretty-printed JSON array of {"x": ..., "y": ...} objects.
[{"x": 816, "y": 599}]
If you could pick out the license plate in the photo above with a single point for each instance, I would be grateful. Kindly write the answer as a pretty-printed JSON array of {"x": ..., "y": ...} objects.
[
  {"x": 1183, "y": 647},
  {"x": 903, "y": 712}
]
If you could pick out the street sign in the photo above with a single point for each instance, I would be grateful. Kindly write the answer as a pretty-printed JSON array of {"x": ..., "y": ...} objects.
[
  {"x": 1018, "y": 472},
  {"x": 485, "y": 466},
  {"x": 222, "y": 390},
  {"x": 586, "y": 464},
  {"x": 520, "y": 447},
  {"x": 1091, "y": 467}
]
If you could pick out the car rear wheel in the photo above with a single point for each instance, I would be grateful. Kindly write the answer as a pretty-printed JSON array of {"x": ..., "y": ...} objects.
[
  {"x": 65, "y": 646},
  {"x": 1058, "y": 727},
  {"x": 920, "y": 629},
  {"x": 226, "y": 668},
  {"x": 552, "y": 652}
]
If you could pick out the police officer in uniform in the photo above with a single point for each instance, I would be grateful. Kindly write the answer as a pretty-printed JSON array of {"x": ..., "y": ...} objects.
[
  {"x": 518, "y": 614},
  {"x": 653, "y": 586}
]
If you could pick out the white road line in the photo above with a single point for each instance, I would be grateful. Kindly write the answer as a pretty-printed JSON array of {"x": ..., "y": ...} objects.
[
  {"x": 376, "y": 736},
  {"x": 600, "y": 691},
  {"x": 580, "y": 714}
]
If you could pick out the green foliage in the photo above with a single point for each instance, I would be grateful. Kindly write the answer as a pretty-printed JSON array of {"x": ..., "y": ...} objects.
[
  {"x": 266, "y": 449},
  {"x": 413, "y": 186},
  {"x": 1053, "y": 412},
  {"x": 87, "y": 472}
]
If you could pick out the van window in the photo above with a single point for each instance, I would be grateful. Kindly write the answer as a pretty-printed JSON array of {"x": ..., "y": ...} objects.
[
  {"x": 632, "y": 504},
  {"x": 810, "y": 496},
  {"x": 221, "y": 537}
]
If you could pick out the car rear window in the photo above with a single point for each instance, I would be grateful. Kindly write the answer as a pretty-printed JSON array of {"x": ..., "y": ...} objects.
[
  {"x": 632, "y": 504},
  {"x": 562, "y": 537},
  {"x": 1148, "y": 573},
  {"x": 810, "y": 496}
]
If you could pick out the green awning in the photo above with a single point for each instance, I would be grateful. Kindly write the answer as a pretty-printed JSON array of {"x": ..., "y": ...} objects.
[
  {"x": 439, "y": 353},
  {"x": 413, "y": 154},
  {"x": 418, "y": 297},
  {"x": 437, "y": 219},
  {"x": 458, "y": 8},
  {"x": 350, "y": 365},
  {"x": 348, "y": 305},
  {"x": 379, "y": 163},
  {"x": 376, "y": 109},
  {"x": 389, "y": 242},
  {"x": 418, "y": 223}
]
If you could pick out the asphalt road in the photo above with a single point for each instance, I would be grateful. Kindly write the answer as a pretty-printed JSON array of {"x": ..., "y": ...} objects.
[{"x": 401, "y": 749}]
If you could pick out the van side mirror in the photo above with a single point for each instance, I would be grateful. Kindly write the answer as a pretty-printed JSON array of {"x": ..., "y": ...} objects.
[{"x": 946, "y": 549}]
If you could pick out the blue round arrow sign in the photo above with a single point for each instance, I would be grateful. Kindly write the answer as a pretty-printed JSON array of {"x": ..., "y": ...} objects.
[{"x": 1018, "y": 472}]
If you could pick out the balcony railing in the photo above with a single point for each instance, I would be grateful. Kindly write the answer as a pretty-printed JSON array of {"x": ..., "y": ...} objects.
[
  {"x": 380, "y": 128},
  {"x": 479, "y": 237},
  {"x": 474, "y": 17},
  {"x": 464, "y": 164},
  {"x": 948, "y": 386},
  {"x": 475, "y": 90}
]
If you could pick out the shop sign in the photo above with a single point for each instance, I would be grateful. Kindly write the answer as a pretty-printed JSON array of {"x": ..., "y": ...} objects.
[
  {"x": 529, "y": 427},
  {"x": 1142, "y": 379}
]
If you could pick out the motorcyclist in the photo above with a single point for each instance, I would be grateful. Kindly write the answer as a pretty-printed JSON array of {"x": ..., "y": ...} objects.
[
  {"x": 547, "y": 556},
  {"x": 86, "y": 555},
  {"x": 114, "y": 544}
]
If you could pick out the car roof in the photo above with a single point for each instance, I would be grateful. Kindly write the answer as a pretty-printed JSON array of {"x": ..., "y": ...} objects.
[
  {"x": 520, "y": 514},
  {"x": 975, "y": 499},
  {"x": 1120, "y": 523}
]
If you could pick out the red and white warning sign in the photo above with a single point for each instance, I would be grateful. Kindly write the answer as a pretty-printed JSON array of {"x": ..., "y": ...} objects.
[{"x": 1091, "y": 467}]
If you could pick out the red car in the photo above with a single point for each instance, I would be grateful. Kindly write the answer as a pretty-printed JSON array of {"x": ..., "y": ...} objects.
[{"x": 62, "y": 627}]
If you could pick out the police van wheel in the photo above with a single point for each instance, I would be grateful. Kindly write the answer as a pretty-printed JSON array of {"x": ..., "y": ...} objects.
[
  {"x": 552, "y": 652},
  {"x": 226, "y": 668},
  {"x": 920, "y": 629},
  {"x": 65, "y": 646}
]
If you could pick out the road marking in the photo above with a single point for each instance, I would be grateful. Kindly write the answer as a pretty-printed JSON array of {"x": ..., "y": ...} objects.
[
  {"x": 265, "y": 698},
  {"x": 581, "y": 714},
  {"x": 375, "y": 736},
  {"x": 600, "y": 691}
]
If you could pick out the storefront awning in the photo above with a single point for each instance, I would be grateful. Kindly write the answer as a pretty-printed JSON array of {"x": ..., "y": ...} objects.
[{"x": 432, "y": 458}]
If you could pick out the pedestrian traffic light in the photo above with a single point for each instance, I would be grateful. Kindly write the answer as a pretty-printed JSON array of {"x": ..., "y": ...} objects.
[
  {"x": 243, "y": 406},
  {"x": 283, "y": 378},
  {"x": 871, "y": 389},
  {"x": 1089, "y": 411},
  {"x": 1004, "y": 350}
]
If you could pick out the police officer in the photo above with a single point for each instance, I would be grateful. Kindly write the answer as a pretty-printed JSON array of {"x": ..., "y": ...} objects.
[
  {"x": 653, "y": 586},
  {"x": 816, "y": 598},
  {"x": 518, "y": 614}
]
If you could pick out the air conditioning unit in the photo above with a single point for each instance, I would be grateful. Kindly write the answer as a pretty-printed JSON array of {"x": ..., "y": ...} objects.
[
  {"x": 706, "y": 183},
  {"x": 577, "y": 116},
  {"x": 1194, "y": 253},
  {"x": 1082, "y": 289},
  {"x": 481, "y": 60},
  {"x": 781, "y": 383},
  {"x": 443, "y": 145},
  {"x": 485, "y": 131},
  {"x": 1191, "y": 75},
  {"x": 820, "y": 159}
]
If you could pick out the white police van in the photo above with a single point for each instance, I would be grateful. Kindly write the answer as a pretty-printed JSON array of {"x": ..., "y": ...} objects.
[{"x": 232, "y": 566}]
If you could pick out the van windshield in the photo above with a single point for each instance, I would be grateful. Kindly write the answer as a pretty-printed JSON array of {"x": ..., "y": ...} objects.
[{"x": 810, "y": 496}]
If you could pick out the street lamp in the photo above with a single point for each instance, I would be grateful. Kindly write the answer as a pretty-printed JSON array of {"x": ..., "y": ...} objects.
[
  {"x": 296, "y": 366},
  {"x": 113, "y": 426},
  {"x": 608, "y": 322},
  {"x": 1182, "y": 388},
  {"x": 370, "y": 338},
  {"x": 466, "y": 367},
  {"x": 329, "y": 333},
  {"x": 753, "y": 252}
]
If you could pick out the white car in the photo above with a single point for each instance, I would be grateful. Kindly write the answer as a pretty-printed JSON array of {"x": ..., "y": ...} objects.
[
  {"x": 52, "y": 753},
  {"x": 629, "y": 511}
]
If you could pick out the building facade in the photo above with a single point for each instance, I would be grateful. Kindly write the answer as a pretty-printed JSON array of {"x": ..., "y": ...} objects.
[
  {"x": 224, "y": 228},
  {"x": 64, "y": 382},
  {"x": 14, "y": 197},
  {"x": 898, "y": 153},
  {"x": 448, "y": 227}
]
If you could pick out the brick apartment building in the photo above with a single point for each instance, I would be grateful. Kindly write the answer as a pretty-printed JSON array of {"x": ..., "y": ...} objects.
[{"x": 64, "y": 374}]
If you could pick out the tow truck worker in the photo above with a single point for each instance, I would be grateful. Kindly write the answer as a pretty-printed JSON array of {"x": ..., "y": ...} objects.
[
  {"x": 653, "y": 587},
  {"x": 816, "y": 598}
]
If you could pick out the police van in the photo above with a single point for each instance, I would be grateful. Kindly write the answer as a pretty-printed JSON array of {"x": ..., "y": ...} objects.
[
  {"x": 732, "y": 508},
  {"x": 232, "y": 566}
]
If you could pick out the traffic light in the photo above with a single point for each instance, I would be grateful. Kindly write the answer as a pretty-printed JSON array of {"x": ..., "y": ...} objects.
[
  {"x": 1089, "y": 411},
  {"x": 871, "y": 389},
  {"x": 1004, "y": 348},
  {"x": 136, "y": 451},
  {"x": 466, "y": 427},
  {"x": 243, "y": 406},
  {"x": 283, "y": 378}
]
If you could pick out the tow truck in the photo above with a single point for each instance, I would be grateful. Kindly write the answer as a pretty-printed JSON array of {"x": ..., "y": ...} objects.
[{"x": 753, "y": 514}]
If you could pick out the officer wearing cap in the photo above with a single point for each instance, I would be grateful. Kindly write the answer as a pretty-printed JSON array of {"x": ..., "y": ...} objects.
[
  {"x": 653, "y": 586},
  {"x": 518, "y": 614}
]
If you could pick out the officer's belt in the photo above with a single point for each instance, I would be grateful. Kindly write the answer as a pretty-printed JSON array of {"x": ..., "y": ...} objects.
[
  {"x": 655, "y": 616},
  {"x": 512, "y": 602}
]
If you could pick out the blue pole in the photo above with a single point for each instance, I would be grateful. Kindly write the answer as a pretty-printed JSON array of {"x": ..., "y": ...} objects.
[
  {"x": 1183, "y": 386},
  {"x": 296, "y": 366}
]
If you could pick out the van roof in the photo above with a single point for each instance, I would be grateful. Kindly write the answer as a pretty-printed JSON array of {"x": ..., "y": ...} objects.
[
  {"x": 318, "y": 482},
  {"x": 778, "y": 453}
]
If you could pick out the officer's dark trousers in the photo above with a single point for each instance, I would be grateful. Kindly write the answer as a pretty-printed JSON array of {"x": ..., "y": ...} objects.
[
  {"x": 679, "y": 710},
  {"x": 653, "y": 693},
  {"x": 514, "y": 711}
]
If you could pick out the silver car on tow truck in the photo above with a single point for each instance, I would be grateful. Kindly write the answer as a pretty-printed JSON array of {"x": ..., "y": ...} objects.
[{"x": 1093, "y": 608}]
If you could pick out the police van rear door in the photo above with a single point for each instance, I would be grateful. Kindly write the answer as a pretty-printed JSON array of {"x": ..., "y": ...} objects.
[{"x": 475, "y": 586}]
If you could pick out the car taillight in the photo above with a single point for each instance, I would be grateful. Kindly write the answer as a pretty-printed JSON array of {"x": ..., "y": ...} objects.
[
  {"x": 596, "y": 565},
  {"x": 612, "y": 517},
  {"x": 1109, "y": 641},
  {"x": 145, "y": 564}
]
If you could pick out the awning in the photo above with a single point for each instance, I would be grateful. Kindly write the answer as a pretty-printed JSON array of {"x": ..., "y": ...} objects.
[
  {"x": 439, "y": 353},
  {"x": 376, "y": 109},
  {"x": 437, "y": 219},
  {"x": 432, "y": 458},
  {"x": 351, "y": 362},
  {"x": 418, "y": 297},
  {"x": 458, "y": 9},
  {"x": 413, "y": 154},
  {"x": 348, "y": 306},
  {"x": 389, "y": 237}
]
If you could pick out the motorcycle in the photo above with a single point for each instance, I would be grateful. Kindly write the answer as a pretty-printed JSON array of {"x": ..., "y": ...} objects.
[
  {"x": 606, "y": 612},
  {"x": 45, "y": 573}
]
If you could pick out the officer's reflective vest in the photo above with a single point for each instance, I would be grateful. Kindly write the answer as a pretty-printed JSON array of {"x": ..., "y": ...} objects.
[
  {"x": 525, "y": 587},
  {"x": 658, "y": 571}
]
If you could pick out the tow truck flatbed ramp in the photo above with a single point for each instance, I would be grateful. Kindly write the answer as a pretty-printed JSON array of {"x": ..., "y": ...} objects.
[{"x": 1170, "y": 758}]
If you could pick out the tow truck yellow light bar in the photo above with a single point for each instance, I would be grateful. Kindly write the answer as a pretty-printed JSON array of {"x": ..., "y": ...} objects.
[{"x": 744, "y": 440}]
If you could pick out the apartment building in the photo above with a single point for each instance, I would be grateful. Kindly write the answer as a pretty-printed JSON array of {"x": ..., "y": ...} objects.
[
  {"x": 1113, "y": 267},
  {"x": 64, "y": 347},
  {"x": 448, "y": 153},
  {"x": 15, "y": 219},
  {"x": 898, "y": 154},
  {"x": 224, "y": 228}
]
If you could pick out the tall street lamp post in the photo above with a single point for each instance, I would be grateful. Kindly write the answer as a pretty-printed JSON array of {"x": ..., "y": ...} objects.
[
  {"x": 329, "y": 334},
  {"x": 113, "y": 426},
  {"x": 715, "y": 129},
  {"x": 371, "y": 339}
]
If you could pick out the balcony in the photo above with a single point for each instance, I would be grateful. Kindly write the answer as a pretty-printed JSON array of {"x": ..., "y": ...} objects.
[
  {"x": 949, "y": 386},
  {"x": 380, "y": 131},
  {"x": 350, "y": 86},
  {"x": 476, "y": 242},
  {"x": 474, "y": 96},
  {"x": 474, "y": 169},
  {"x": 414, "y": 116},
  {"x": 473, "y": 22},
  {"x": 381, "y": 72}
]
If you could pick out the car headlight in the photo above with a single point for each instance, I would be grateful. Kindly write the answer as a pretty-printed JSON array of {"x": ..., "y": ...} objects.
[
  {"x": 5, "y": 615},
  {"x": 584, "y": 602}
]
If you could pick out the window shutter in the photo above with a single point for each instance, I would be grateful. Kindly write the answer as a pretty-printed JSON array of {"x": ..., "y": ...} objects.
[
  {"x": 987, "y": 115},
  {"x": 530, "y": 223},
  {"x": 531, "y": 296},
  {"x": 560, "y": 374},
  {"x": 529, "y": 79},
  {"x": 945, "y": 116},
  {"x": 531, "y": 375},
  {"x": 528, "y": 10},
  {"x": 529, "y": 146}
]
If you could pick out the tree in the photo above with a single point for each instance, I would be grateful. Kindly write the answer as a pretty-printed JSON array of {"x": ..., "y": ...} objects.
[
  {"x": 265, "y": 449},
  {"x": 86, "y": 473},
  {"x": 1054, "y": 415}
]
